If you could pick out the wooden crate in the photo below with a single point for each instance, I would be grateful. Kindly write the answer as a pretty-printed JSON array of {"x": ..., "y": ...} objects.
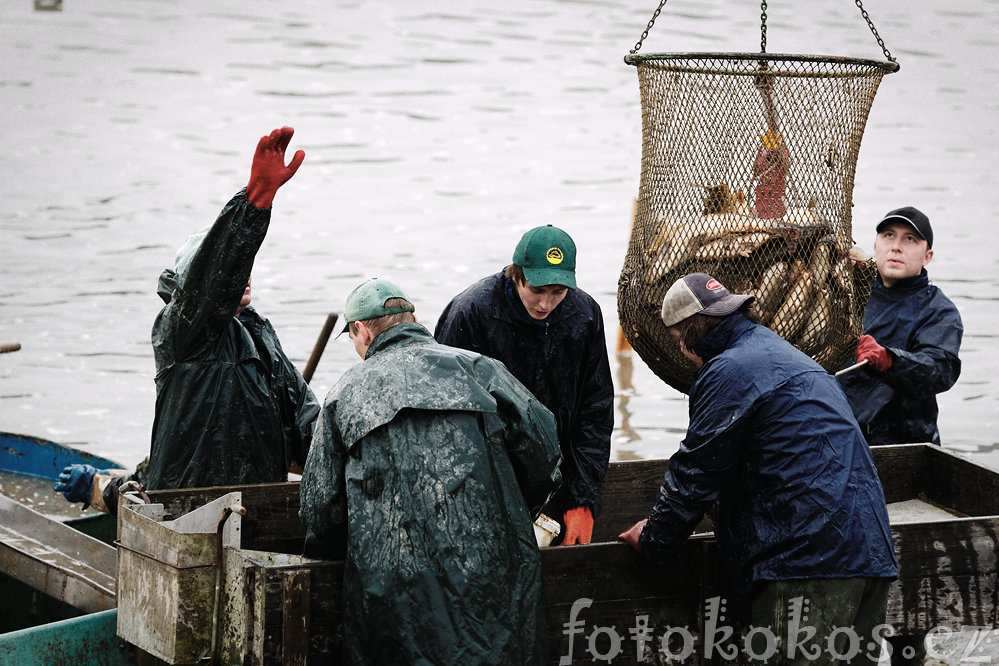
[{"x": 282, "y": 608}]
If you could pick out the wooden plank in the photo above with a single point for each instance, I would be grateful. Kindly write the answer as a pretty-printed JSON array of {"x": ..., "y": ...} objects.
[
  {"x": 614, "y": 570},
  {"x": 917, "y": 605},
  {"x": 286, "y": 590},
  {"x": 295, "y": 617},
  {"x": 902, "y": 470},
  {"x": 962, "y": 484},
  {"x": 627, "y": 495},
  {"x": 271, "y": 522},
  {"x": 962, "y": 546},
  {"x": 56, "y": 559}
]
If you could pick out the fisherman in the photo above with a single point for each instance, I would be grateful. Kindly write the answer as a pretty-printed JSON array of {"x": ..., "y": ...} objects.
[
  {"x": 550, "y": 334},
  {"x": 912, "y": 336},
  {"x": 801, "y": 511},
  {"x": 428, "y": 465},
  {"x": 230, "y": 406}
]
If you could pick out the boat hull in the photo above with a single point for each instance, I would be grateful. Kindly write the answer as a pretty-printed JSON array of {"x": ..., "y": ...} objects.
[{"x": 280, "y": 606}]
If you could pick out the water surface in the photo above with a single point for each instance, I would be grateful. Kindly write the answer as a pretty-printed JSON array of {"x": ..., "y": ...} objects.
[{"x": 437, "y": 132}]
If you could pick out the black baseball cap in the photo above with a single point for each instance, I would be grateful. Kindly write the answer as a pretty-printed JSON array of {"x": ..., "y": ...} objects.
[{"x": 914, "y": 217}]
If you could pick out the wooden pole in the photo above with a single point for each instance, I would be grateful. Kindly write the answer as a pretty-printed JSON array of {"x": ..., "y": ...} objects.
[
  {"x": 317, "y": 351},
  {"x": 9, "y": 347}
]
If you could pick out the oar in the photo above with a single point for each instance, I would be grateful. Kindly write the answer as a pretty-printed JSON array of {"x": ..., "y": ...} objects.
[
  {"x": 317, "y": 351},
  {"x": 9, "y": 347},
  {"x": 851, "y": 368}
]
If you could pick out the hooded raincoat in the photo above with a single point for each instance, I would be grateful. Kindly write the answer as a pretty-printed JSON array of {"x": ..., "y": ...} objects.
[
  {"x": 922, "y": 329},
  {"x": 772, "y": 439},
  {"x": 428, "y": 465},
  {"x": 230, "y": 406},
  {"x": 562, "y": 360}
]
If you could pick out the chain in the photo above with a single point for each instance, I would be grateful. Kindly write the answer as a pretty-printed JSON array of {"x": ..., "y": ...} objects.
[
  {"x": 763, "y": 26},
  {"x": 645, "y": 33},
  {"x": 874, "y": 31}
]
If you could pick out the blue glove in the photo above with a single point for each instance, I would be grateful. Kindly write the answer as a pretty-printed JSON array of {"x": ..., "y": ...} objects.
[{"x": 74, "y": 483}]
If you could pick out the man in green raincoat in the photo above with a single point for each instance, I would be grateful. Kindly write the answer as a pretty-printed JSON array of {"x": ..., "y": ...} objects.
[
  {"x": 427, "y": 467},
  {"x": 230, "y": 406}
]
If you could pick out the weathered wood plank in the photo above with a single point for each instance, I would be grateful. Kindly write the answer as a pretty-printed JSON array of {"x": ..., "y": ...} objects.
[
  {"x": 970, "y": 488},
  {"x": 902, "y": 470},
  {"x": 271, "y": 522},
  {"x": 295, "y": 617},
  {"x": 627, "y": 495}
]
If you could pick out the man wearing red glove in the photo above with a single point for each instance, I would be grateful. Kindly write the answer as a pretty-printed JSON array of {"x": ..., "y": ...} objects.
[
  {"x": 912, "y": 335},
  {"x": 230, "y": 406},
  {"x": 550, "y": 335}
]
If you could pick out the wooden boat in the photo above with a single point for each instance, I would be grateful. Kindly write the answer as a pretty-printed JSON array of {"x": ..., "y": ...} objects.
[
  {"x": 56, "y": 561},
  {"x": 278, "y": 607}
]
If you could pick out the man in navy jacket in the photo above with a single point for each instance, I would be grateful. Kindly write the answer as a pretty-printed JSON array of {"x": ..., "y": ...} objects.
[
  {"x": 772, "y": 440},
  {"x": 550, "y": 335},
  {"x": 912, "y": 335}
]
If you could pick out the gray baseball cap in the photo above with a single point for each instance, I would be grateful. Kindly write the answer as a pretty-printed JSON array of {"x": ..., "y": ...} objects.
[{"x": 699, "y": 293}]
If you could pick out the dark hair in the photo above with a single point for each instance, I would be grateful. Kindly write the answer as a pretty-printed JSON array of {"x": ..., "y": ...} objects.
[
  {"x": 516, "y": 273},
  {"x": 696, "y": 326},
  {"x": 379, "y": 324},
  {"x": 693, "y": 328}
]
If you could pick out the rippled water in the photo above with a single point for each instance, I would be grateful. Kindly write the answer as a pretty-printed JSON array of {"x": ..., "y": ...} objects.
[{"x": 437, "y": 133}]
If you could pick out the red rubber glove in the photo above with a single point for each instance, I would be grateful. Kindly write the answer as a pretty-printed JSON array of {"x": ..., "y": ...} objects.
[
  {"x": 578, "y": 525},
  {"x": 630, "y": 535},
  {"x": 269, "y": 172},
  {"x": 869, "y": 350}
]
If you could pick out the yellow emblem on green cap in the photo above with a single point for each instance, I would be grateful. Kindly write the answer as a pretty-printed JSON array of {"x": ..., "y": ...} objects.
[{"x": 554, "y": 256}]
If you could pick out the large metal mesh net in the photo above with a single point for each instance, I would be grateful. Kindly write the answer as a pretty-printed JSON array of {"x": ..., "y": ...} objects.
[{"x": 748, "y": 167}]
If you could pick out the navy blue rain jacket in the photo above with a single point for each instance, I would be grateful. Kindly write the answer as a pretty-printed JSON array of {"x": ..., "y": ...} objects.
[
  {"x": 922, "y": 329},
  {"x": 562, "y": 360},
  {"x": 230, "y": 406},
  {"x": 772, "y": 439}
]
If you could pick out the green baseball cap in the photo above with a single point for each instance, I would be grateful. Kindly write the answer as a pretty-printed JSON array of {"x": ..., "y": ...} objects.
[
  {"x": 548, "y": 256},
  {"x": 367, "y": 301}
]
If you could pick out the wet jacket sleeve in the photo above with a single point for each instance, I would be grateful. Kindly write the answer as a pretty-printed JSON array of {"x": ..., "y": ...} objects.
[
  {"x": 531, "y": 440},
  {"x": 930, "y": 362},
  {"x": 302, "y": 426},
  {"x": 924, "y": 364},
  {"x": 707, "y": 456},
  {"x": 589, "y": 439},
  {"x": 210, "y": 290},
  {"x": 299, "y": 409},
  {"x": 323, "y": 492}
]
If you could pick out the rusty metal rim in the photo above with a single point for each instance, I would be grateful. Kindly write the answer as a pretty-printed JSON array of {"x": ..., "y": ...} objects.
[{"x": 178, "y": 567}]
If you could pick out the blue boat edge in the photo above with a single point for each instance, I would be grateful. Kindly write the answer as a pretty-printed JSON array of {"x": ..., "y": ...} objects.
[
  {"x": 35, "y": 456},
  {"x": 88, "y": 640}
]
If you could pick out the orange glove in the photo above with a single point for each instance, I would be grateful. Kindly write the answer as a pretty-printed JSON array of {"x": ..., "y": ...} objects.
[
  {"x": 630, "y": 535},
  {"x": 578, "y": 525},
  {"x": 268, "y": 171},
  {"x": 869, "y": 350}
]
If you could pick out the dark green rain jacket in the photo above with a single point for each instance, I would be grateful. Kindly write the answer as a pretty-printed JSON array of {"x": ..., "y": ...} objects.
[
  {"x": 230, "y": 407},
  {"x": 428, "y": 465}
]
